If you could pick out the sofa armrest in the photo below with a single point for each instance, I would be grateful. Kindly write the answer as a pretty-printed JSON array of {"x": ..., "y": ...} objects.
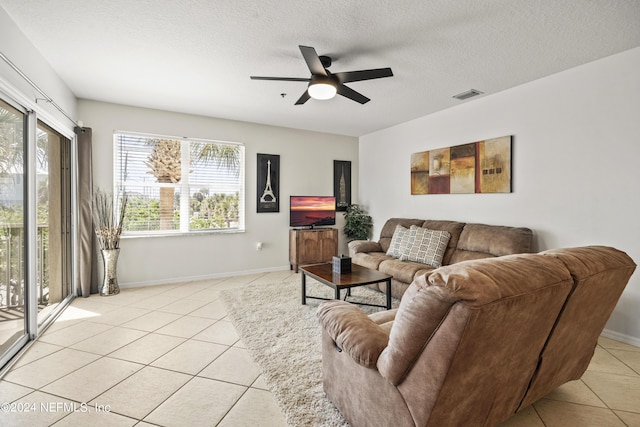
[
  {"x": 357, "y": 246},
  {"x": 353, "y": 331}
]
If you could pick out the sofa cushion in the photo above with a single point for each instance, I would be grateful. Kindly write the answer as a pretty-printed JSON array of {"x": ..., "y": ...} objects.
[
  {"x": 356, "y": 246},
  {"x": 399, "y": 242},
  {"x": 426, "y": 246},
  {"x": 453, "y": 227},
  {"x": 403, "y": 271},
  {"x": 390, "y": 227},
  {"x": 370, "y": 260},
  {"x": 485, "y": 241}
]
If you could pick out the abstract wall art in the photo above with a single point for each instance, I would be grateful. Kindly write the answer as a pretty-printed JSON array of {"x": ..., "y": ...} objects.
[{"x": 476, "y": 167}]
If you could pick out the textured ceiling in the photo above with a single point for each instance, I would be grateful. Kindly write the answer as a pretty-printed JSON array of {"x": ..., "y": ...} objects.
[{"x": 196, "y": 56}]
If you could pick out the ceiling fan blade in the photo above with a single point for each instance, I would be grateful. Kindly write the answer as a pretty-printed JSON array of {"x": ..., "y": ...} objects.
[
  {"x": 352, "y": 94},
  {"x": 282, "y": 79},
  {"x": 304, "y": 98},
  {"x": 356, "y": 76},
  {"x": 313, "y": 60}
]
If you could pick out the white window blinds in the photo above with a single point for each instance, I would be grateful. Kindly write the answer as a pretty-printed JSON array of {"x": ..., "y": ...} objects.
[{"x": 179, "y": 185}]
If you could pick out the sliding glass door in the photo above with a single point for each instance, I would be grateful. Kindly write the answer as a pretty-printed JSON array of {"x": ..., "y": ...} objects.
[
  {"x": 12, "y": 226},
  {"x": 53, "y": 234},
  {"x": 35, "y": 226}
]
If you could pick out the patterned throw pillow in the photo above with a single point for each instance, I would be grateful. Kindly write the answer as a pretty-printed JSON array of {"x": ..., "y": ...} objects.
[
  {"x": 398, "y": 241},
  {"x": 426, "y": 246}
]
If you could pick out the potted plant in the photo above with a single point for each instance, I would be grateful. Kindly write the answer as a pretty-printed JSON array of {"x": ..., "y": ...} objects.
[
  {"x": 358, "y": 224},
  {"x": 107, "y": 220}
]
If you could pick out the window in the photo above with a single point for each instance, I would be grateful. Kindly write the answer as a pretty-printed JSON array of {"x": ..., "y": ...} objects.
[{"x": 150, "y": 170}]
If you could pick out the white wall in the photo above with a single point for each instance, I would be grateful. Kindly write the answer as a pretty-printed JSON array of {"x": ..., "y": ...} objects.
[
  {"x": 306, "y": 168},
  {"x": 576, "y": 151},
  {"x": 19, "y": 50}
]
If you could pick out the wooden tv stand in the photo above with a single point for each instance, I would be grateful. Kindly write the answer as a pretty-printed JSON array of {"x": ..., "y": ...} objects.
[{"x": 312, "y": 246}]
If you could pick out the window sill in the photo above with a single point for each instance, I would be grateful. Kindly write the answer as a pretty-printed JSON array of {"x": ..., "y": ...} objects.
[{"x": 180, "y": 234}]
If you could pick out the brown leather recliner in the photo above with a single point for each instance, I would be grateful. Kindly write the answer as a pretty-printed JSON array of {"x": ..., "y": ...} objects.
[{"x": 474, "y": 342}]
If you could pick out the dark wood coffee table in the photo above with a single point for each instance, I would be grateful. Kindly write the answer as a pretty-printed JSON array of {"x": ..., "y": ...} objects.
[{"x": 359, "y": 276}]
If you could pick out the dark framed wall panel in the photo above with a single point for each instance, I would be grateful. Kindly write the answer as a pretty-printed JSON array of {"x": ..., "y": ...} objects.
[
  {"x": 342, "y": 184},
  {"x": 268, "y": 186}
]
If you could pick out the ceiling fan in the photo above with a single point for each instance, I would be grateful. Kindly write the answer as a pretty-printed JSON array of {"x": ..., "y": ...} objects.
[{"x": 323, "y": 84}]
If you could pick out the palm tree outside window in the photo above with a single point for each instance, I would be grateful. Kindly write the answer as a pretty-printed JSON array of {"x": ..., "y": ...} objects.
[{"x": 179, "y": 185}]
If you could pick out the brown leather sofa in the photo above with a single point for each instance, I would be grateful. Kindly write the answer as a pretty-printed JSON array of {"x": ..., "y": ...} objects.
[
  {"x": 474, "y": 342},
  {"x": 467, "y": 242}
]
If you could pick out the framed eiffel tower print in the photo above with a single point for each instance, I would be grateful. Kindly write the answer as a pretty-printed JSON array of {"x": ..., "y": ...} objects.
[{"x": 268, "y": 190}]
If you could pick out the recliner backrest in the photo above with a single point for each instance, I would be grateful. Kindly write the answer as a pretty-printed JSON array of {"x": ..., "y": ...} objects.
[
  {"x": 466, "y": 340},
  {"x": 600, "y": 275}
]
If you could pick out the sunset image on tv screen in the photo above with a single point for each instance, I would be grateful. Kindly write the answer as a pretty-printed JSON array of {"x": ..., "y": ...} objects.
[{"x": 307, "y": 211}]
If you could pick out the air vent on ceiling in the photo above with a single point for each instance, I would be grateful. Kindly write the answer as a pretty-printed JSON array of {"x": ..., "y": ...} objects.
[{"x": 467, "y": 94}]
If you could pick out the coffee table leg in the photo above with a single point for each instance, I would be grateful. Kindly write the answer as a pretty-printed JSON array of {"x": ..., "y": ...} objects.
[
  {"x": 389, "y": 294},
  {"x": 304, "y": 289}
]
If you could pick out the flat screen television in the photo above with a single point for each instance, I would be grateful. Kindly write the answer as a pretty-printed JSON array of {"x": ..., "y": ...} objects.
[{"x": 312, "y": 211}]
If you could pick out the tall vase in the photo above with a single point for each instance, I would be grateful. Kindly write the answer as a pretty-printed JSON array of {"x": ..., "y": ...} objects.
[{"x": 110, "y": 282}]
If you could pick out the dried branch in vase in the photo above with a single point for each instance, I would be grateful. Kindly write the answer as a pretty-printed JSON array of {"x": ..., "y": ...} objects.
[{"x": 108, "y": 219}]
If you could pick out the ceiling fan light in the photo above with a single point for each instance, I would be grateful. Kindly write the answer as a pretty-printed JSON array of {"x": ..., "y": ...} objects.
[{"x": 322, "y": 90}]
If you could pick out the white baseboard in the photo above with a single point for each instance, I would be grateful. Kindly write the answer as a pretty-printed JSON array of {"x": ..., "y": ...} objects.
[
  {"x": 627, "y": 339},
  {"x": 197, "y": 278}
]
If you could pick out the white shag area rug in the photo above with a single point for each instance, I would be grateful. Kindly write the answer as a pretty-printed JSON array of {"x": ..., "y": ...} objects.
[{"x": 284, "y": 338}]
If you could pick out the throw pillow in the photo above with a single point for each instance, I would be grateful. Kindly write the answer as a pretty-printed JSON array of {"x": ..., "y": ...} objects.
[
  {"x": 426, "y": 246},
  {"x": 398, "y": 241}
]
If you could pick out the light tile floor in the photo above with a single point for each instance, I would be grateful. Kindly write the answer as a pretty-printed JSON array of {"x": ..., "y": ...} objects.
[{"x": 168, "y": 356}]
